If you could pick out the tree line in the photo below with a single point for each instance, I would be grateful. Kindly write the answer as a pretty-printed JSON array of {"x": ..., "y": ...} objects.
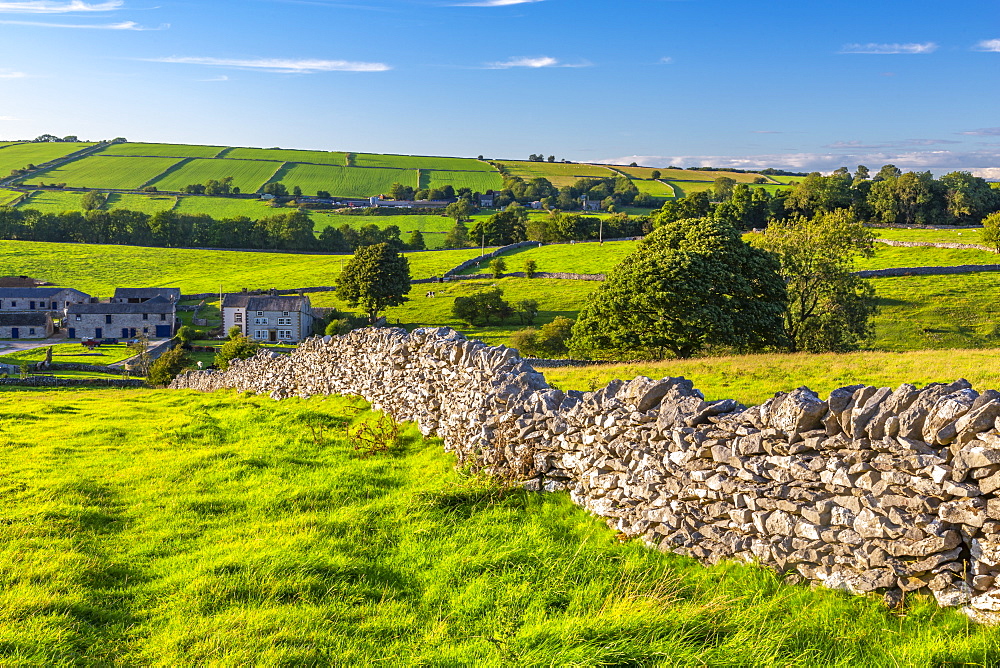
[
  {"x": 610, "y": 192},
  {"x": 513, "y": 225}
]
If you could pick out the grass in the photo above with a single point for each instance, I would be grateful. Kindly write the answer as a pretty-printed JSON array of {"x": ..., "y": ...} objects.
[
  {"x": 752, "y": 379},
  {"x": 685, "y": 174},
  {"x": 19, "y": 156},
  {"x": 167, "y": 528},
  {"x": 421, "y": 162},
  {"x": 163, "y": 150},
  {"x": 106, "y": 172},
  {"x": 70, "y": 353},
  {"x": 286, "y": 155},
  {"x": 345, "y": 181},
  {"x": 52, "y": 201},
  {"x": 558, "y": 173},
  {"x": 582, "y": 258},
  {"x": 433, "y": 227},
  {"x": 965, "y": 236},
  {"x": 476, "y": 181},
  {"x": 148, "y": 204},
  {"x": 8, "y": 196},
  {"x": 247, "y": 175},
  {"x": 899, "y": 256},
  {"x": 227, "y": 207},
  {"x": 99, "y": 269}
]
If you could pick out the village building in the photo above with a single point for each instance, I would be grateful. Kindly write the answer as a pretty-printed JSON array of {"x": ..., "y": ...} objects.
[
  {"x": 140, "y": 295},
  {"x": 26, "y": 325},
  {"x": 488, "y": 199},
  {"x": 269, "y": 317},
  {"x": 50, "y": 299},
  {"x": 156, "y": 318}
]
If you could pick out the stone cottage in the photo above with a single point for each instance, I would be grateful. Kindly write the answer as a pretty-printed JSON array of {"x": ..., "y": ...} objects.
[
  {"x": 156, "y": 318},
  {"x": 26, "y": 325},
  {"x": 269, "y": 317},
  {"x": 51, "y": 299}
]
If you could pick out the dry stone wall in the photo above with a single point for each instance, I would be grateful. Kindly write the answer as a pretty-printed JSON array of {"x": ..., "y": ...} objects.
[{"x": 873, "y": 490}]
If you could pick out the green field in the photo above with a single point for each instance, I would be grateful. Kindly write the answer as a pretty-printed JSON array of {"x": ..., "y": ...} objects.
[
  {"x": 344, "y": 181},
  {"x": 227, "y": 207},
  {"x": 924, "y": 256},
  {"x": 421, "y": 162},
  {"x": 72, "y": 353},
  {"x": 99, "y": 269},
  {"x": 172, "y": 528},
  {"x": 106, "y": 172},
  {"x": 163, "y": 150},
  {"x": 148, "y": 204},
  {"x": 285, "y": 155},
  {"x": 558, "y": 173},
  {"x": 654, "y": 188},
  {"x": 478, "y": 182},
  {"x": 434, "y": 228},
  {"x": 52, "y": 201},
  {"x": 753, "y": 379},
  {"x": 581, "y": 258},
  {"x": 247, "y": 175},
  {"x": 686, "y": 174},
  {"x": 19, "y": 156},
  {"x": 963, "y": 236},
  {"x": 8, "y": 196}
]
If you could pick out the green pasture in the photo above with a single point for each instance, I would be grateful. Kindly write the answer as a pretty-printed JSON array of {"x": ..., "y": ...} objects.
[
  {"x": 957, "y": 236},
  {"x": 163, "y": 150},
  {"x": 476, "y": 181},
  {"x": 654, "y": 188},
  {"x": 100, "y": 171},
  {"x": 226, "y": 207},
  {"x": 19, "y": 156},
  {"x": 787, "y": 180},
  {"x": 421, "y": 162},
  {"x": 924, "y": 256},
  {"x": 152, "y": 527},
  {"x": 69, "y": 353},
  {"x": 8, "y": 196},
  {"x": 691, "y": 187},
  {"x": 344, "y": 181},
  {"x": 558, "y": 173},
  {"x": 580, "y": 258},
  {"x": 148, "y": 204},
  {"x": 99, "y": 269},
  {"x": 52, "y": 201},
  {"x": 433, "y": 227},
  {"x": 247, "y": 175},
  {"x": 753, "y": 379},
  {"x": 285, "y": 155}
]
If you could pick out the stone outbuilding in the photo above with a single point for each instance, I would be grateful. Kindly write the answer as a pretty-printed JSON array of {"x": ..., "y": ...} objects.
[
  {"x": 156, "y": 318},
  {"x": 54, "y": 300},
  {"x": 269, "y": 317},
  {"x": 26, "y": 325},
  {"x": 140, "y": 295}
]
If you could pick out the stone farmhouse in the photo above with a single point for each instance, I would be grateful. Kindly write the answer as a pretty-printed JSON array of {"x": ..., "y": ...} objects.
[
  {"x": 140, "y": 295},
  {"x": 156, "y": 318},
  {"x": 26, "y": 325},
  {"x": 49, "y": 299},
  {"x": 269, "y": 317}
]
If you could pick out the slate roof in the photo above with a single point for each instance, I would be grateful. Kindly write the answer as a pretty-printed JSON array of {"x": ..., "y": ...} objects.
[
  {"x": 24, "y": 319},
  {"x": 147, "y": 293},
  {"x": 268, "y": 303},
  {"x": 21, "y": 282},
  {"x": 36, "y": 293},
  {"x": 235, "y": 301},
  {"x": 154, "y": 305}
]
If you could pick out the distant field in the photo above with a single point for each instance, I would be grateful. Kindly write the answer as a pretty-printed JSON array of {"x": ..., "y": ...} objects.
[
  {"x": 421, "y": 162},
  {"x": 787, "y": 180},
  {"x": 106, "y": 172},
  {"x": 965, "y": 236},
  {"x": 8, "y": 196},
  {"x": 692, "y": 187},
  {"x": 226, "y": 207},
  {"x": 163, "y": 150},
  {"x": 654, "y": 188},
  {"x": 558, "y": 173},
  {"x": 247, "y": 175},
  {"x": 475, "y": 181},
  {"x": 144, "y": 203},
  {"x": 286, "y": 155},
  {"x": 19, "y": 156},
  {"x": 433, "y": 227},
  {"x": 894, "y": 256},
  {"x": 582, "y": 258},
  {"x": 52, "y": 201},
  {"x": 345, "y": 181},
  {"x": 98, "y": 269}
]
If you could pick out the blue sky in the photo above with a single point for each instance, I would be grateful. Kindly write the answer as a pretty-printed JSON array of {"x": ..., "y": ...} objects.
[{"x": 802, "y": 85}]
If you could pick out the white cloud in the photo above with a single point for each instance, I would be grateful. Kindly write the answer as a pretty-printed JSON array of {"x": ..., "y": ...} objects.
[
  {"x": 666, "y": 60},
  {"x": 493, "y": 3},
  {"x": 889, "y": 49},
  {"x": 279, "y": 65},
  {"x": 989, "y": 45},
  {"x": 983, "y": 132},
  {"x": 43, "y": 7},
  {"x": 10, "y": 74},
  {"x": 532, "y": 63},
  {"x": 124, "y": 25}
]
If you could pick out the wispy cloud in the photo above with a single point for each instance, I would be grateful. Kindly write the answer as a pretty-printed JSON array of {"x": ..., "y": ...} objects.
[
  {"x": 891, "y": 49},
  {"x": 492, "y": 3},
  {"x": 533, "y": 63},
  {"x": 278, "y": 65},
  {"x": 10, "y": 74},
  {"x": 221, "y": 77},
  {"x": 906, "y": 143},
  {"x": 666, "y": 60},
  {"x": 983, "y": 132},
  {"x": 124, "y": 25},
  {"x": 44, "y": 7},
  {"x": 8, "y": 118},
  {"x": 989, "y": 45}
]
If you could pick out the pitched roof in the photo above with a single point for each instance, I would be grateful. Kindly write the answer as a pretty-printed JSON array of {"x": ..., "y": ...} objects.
[
  {"x": 21, "y": 282},
  {"x": 268, "y": 303},
  {"x": 36, "y": 293},
  {"x": 154, "y": 305},
  {"x": 24, "y": 319},
  {"x": 147, "y": 293},
  {"x": 236, "y": 301}
]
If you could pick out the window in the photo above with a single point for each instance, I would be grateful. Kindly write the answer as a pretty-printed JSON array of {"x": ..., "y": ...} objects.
[
  {"x": 107, "y": 319},
  {"x": 284, "y": 321},
  {"x": 145, "y": 330},
  {"x": 285, "y": 334},
  {"x": 260, "y": 321},
  {"x": 31, "y": 331},
  {"x": 78, "y": 317},
  {"x": 238, "y": 317},
  {"x": 145, "y": 316},
  {"x": 260, "y": 313},
  {"x": 13, "y": 304},
  {"x": 260, "y": 335},
  {"x": 163, "y": 316},
  {"x": 284, "y": 313}
]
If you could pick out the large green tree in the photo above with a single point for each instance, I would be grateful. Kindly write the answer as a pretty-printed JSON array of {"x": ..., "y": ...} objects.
[
  {"x": 690, "y": 285},
  {"x": 376, "y": 278},
  {"x": 829, "y": 308}
]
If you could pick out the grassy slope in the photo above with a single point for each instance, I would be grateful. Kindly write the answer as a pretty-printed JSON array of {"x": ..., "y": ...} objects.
[
  {"x": 18, "y": 156},
  {"x": 284, "y": 155},
  {"x": 584, "y": 258},
  {"x": 180, "y": 529},
  {"x": 558, "y": 173},
  {"x": 163, "y": 150},
  {"x": 247, "y": 175},
  {"x": 896, "y": 256},
  {"x": 421, "y": 162},
  {"x": 965, "y": 236},
  {"x": 98, "y": 269},
  {"x": 345, "y": 181},
  {"x": 8, "y": 196},
  {"x": 106, "y": 172},
  {"x": 143, "y": 203},
  {"x": 476, "y": 181},
  {"x": 70, "y": 353}
]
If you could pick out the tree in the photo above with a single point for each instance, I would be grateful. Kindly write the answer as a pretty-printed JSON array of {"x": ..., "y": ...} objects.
[
  {"x": 376, "y": 278},
  {"x": 166, "y": 367},
  {"x": 238, "y": 347},
  {"x": 297, "y": 191},
  {"x": 655, "y": 174},
  {"x": 689, "y": 285},
  {"x": 186, "y": 335},
  {"x": 829, "y": 308},
  {"x": 888, "y": 172},
  {"x": 416, "y": 241},
  {"x": 459, "y": 210},
  {"x": 93, "y": 200},
  {"x": 552, "y": 158},
  {"x": 497, "y": 266},
  {"x": 530, "y": 268},
  {"x": 526, "y": 310},
  {"x": 275, "y": 188},
  {"x": 458, "y": 237},
  {"x": 990, "y": 234},
  {"x": 481, "y": 307},
  {"x": 502, "y": 229},
  {"x": 234, "y": 331},
  {"x": 323, "y": 194}
]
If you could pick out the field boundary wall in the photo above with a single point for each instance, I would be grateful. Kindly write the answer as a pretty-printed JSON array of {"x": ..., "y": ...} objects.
[
  {"x": 935, "y": 244},
  {"x": 874, "y": 490}
]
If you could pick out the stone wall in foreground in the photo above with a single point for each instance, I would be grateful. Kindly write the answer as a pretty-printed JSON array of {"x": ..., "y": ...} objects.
[{"x": 873, "y": 490}]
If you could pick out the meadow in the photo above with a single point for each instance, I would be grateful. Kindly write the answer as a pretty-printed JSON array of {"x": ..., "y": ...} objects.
[
  {"x": 171, "y": 528},
  {"x": 226, "y": 207},
  {"x": 581, "y": 258},
  {"x": 344, "y": 181},
  {"x": 148, "y": 204},
  {"x": 924, "y": 256},
  {"x": 126, "y": 173},
  {"x": 478, "y": 182},
  {"x": 434, "y": 227},
  {"x": 422, "y": 162},
  {"x": 99, "y": 269},
  {"x": 9, "y": 196},
  {"x": 163, "y": 150},
  {"x": 72, "y": 353},
  {"x": 558, "y": 173},
  {"x": 248, "y": 176},
  {"x": 957, "y": 236},
  {"x": 19, "y": 156},
  {"x": 685, "y": 174},
  {"x": 285, "y": 155}
]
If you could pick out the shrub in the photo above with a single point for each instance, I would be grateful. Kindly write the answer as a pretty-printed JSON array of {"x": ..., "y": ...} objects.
[
  {"x": 497, "y": 266},
  {"x": 530, "y": 268},
  {"x": 238, "y": 347},
  {"x": 234, "y": 331},
  {"x": 186, "y": 335},
  {"x": 166, "y": 367},
  {"x": 526, "y": 341},
  {"x": 479, "y": 308}
]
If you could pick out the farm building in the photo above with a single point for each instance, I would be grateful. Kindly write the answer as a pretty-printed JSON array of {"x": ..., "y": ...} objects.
[
  {"x": 268, "y": 317},
  {"x": 140, "y": 295},
  {"x": 488, "y": 200},
  {"x": 26, "y": 325},
  {"x": 53, "y": 300},
  {"x": 21, "y": 282},
  {"x": 156, "y": 318}
]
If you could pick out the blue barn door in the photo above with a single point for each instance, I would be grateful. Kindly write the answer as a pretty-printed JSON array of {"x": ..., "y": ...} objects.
[
  {"x": 15, "y": 333},
  {"x": 72, "y": 332},
  {"x": 99, "y": 333},
  {"x": 162, "y": 331}
]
